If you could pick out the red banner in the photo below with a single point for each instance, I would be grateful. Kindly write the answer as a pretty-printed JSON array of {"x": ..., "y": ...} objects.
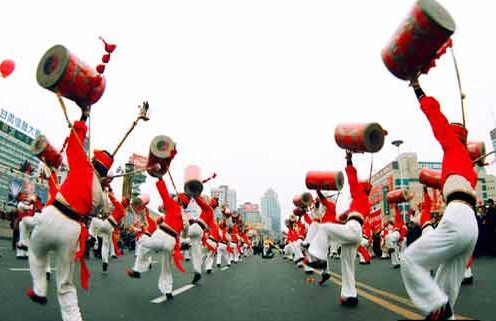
[{"x": 375, "y": 220}]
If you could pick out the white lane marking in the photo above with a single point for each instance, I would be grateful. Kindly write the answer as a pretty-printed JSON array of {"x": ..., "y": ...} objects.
[
  {"x": 163, "y": 298},
  {"x": 26, "y": 269},
  {"x": 224, "y": 268}
]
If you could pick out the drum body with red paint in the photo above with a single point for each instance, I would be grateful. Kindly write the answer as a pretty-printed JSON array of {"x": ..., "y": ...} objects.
[
  {"x": 326, "y": 181},
  {"x": 418, "y": 39},
  {"x": 430, "y": 178},
  {"x": 42, "y": 148},
  {"x": 162, "y": 151},
  {"x": 360, "y": 137},
  {"x": 397, "y": 196},
  {"x": 62, "y": 72},
  {"x": 477, "y": 150}
]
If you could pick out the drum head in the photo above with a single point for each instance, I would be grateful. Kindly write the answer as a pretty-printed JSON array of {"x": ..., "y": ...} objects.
[
  {"x": 38, "y": 145},
  {"x": 373, "y": 138},
  {"x": 339, "y": 181},
  {"x": 162, "y": 146},
  {"x": 437, "y": 14},
  {"x": 52, "y": 66}
]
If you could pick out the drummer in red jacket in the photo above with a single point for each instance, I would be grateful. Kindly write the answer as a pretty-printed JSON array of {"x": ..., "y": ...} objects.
[
  {"x": 452, "y": 242},
  {"x": 60, "y": 229},
  {"x": 348, "y": 234}
]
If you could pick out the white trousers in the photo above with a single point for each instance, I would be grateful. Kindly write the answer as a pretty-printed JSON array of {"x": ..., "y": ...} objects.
[
  {"x": 143, "y": 255},
  {"x": 333, "y": 246},
  {"x": 163, "y": 243},
  {"x": 195, "y": 233},
  {"x": 103, "y": 229},
  {"x": 298, "y": 253},
  {"x": 222, "y": 253},
  {"x": 56, "y": 232},
  {"x": 235, "y": 255},
  {"x": 311, "y": 233},
  {"x": 349, "y": 235},
  {"x": 26, "y": 226},
  {"x": 448, "y": 246},
  {"x": 392, "y": 243},
  {"x": 209, "y": 260}
]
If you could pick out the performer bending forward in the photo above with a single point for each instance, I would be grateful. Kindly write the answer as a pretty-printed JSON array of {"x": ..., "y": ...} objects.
[
  {"x": 450, "y": 245},
  {"x": 349, "y": 235}
]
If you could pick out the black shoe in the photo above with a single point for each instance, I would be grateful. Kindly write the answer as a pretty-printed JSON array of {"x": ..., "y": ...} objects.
[
  {"x": 133, "y": 274},
  {"x": 349, "y": 302},
  {"x": 150, "y": 267},
  {"x": 468, "y": 281},
  {"x": 443, "y": 313},
  {"x": 48, "y": 276},
  {"x": 169, "y": 296},
  {"x": 209, "y": 271},
  {"x": 21, "y": 257},
  {"x": 36, "y": 298},
  {"x": 22, "y": 247},
  {"x": 218, "y": 265},
  {"x": 105, "y": 267},
  {"x": 229, "y": 265},
  {"x": 305, "y": 245},
  {"x": 115, "y": 256},
  {"x": 397, "y": 266},
  {"x": 187, "y": 259},
  {"x": 196, "y": 278},
  {"x": 324, "y": 278},
  {"x": 318, "y": 264},
  {"x": 299, "y": 260},
  {"x": 235, "y": 262}
]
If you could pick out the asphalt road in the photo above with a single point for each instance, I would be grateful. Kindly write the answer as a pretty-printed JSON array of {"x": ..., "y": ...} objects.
[{"x": 256, "y": 289}]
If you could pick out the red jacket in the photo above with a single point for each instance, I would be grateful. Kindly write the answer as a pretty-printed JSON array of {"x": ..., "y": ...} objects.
[
  {"x": 456, "y": 158},
  {"x": 81, "y": 190},
  {"x": 207, "y": 213},
  {"x": 119, "y": 211},
  {"x": 214, "y": 231},
  {"x": 173, "y": 211},
  {"x": 152, "y": 225},
  {"x": 330, "y": 213},
  {"x": 53, "y": 187},
  {"x": 359, "y": 200}
]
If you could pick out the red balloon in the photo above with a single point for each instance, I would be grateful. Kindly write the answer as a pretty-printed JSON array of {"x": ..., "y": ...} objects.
[{"x": 7, "y": 67}]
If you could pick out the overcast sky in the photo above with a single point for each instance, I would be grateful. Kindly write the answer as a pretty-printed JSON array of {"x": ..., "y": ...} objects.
[{"x": 249, "y": 89}]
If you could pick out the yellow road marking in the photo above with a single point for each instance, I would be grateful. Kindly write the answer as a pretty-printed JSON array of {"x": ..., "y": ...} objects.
[{"x": 393, "y": 296}]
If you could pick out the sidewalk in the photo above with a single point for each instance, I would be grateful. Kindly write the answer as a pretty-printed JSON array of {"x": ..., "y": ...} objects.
[{"x": 5, "y": 230}]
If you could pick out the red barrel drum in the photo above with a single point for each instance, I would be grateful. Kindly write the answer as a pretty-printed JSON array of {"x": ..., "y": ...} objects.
[
  {"x": 298, "y": 211},
  {"x": 162, "y": 151},
  {"x": 418, "y": 39},
  {"x": 326, "y": 181},
  {"x": 430, "y": 178},
  {"x": 306, "y": 198},
  {"x": 62, "y": 72},
  {"x": 477, "y": 150},
  {"x": 397, "y": 196},
  {"x": 192, "y": 181},
  {"x": 46, "y": 152},
  {"x": 360, "y": 137}
]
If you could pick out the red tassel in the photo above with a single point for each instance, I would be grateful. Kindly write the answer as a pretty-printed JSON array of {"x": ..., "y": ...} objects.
[
  {"x": 207, "y": 245},
  {"x": 470, "y": 261},
  {"x": 117, "y": 250},
  {"x": 230, "y": 250},
  {"x": 79, "y": 256},
  {"x": 100, "y": 68},
  {"x": 178, "y": 257},
  {"x": 108, "y": 47},
  {"x": 106, "y": 58}
]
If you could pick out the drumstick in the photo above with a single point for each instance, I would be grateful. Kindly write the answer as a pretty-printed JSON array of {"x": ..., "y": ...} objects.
[
  {"x": 142, "y": 115},
  {"x": 483, "y": 156},
  {"x": 172, "y": 180},
  {"x": 462, "y": 95}
]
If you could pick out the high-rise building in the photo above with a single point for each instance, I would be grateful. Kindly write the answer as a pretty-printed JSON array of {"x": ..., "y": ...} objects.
[
  {"x": 250, "y": 214},
  {"x": 271, "y": 211},
  {"x": 226, "y": 196},
  {"x": 492, "y": 133}
]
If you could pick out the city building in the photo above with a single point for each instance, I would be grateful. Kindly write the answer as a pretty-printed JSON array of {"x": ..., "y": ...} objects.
[
  {"x": 403, "y": 173},
  {"x": 250, "y": 214},
  {"x": 271, "y": 212},
  {"x": 16, "y": 136},
  {"x": 226, "y": 196},
  {"x": 492, "y": 134}
]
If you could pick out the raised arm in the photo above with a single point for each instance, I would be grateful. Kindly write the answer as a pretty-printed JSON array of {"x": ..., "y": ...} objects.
[
  {"x": 76, "y": 156},
  {"x": 164, "y": 194},
  {"x": 330, "y": 206}
]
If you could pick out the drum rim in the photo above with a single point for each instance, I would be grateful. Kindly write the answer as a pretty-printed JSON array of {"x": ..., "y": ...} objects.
[
  {"x": 158, "y": 153},
  {"x": 50, "y": 81},
  {"x": 437, "y": 14}
]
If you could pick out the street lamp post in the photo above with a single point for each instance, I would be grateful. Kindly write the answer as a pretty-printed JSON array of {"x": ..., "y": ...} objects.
[{"x": 398, "y": 143}]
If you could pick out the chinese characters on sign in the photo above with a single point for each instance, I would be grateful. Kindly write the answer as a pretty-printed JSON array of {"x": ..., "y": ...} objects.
[{"x": 19, "y": 124}]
